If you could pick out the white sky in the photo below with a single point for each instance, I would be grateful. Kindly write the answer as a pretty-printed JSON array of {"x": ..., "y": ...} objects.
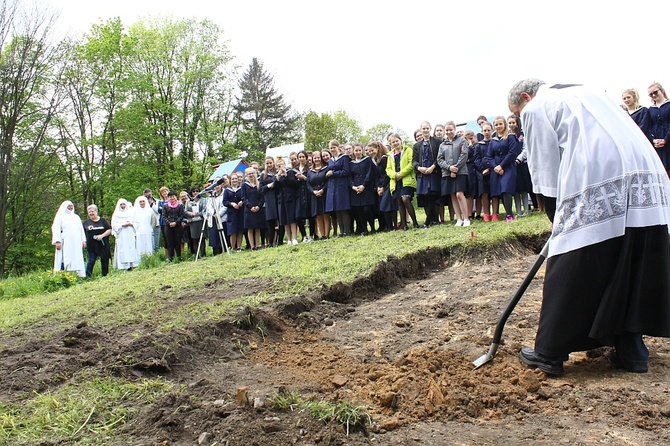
[{"x": 401, "y": 62}]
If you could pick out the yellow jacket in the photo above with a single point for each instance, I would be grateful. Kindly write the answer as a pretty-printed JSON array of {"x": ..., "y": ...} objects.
[{"x": 406, "y": 170}]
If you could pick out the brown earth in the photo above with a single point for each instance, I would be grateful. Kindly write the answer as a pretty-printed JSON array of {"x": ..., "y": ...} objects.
[{"x": 400, "y": 342}]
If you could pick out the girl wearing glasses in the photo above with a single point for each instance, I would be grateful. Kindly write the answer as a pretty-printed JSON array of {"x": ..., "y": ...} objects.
[{"x": 659, "y": 114}]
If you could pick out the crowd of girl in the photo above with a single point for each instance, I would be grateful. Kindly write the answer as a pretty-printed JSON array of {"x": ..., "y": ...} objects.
[
  {"x": 342, "y": 190},
  {"x": 361, "y": 189}
]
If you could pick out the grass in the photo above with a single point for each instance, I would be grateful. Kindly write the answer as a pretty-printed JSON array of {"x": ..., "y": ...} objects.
[
  {"x": 348, "y": 415},
  {"x": 84, "y": 413},
  {"x": 139, "y": 296},
  {"x": 149, "y": 298}
]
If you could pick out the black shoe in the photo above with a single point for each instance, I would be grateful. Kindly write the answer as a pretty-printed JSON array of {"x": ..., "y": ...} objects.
[
  {"x": 617, "y": 363},
  {"x": 530, "y": 357}
]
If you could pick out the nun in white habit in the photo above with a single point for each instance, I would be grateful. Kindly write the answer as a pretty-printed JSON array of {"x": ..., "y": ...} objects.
[
  {"x": 144, "y": 228},
  {"x": 68, "y": 236},
  {"x": 123, "y": 228}
]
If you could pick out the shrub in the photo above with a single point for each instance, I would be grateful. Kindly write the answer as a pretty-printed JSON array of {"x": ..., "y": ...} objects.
[{"x": 57, "y": 280}]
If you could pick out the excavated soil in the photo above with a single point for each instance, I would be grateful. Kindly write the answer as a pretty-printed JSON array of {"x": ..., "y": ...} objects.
[{"x": 400, "y": 342}]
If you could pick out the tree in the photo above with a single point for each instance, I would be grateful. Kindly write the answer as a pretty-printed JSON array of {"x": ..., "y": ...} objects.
[
  {"x": 29, "y": 98},
  {"x": 319, "y": 130},
  {"x": 378, "y": 133},
  {"x": 347, "y": 129},
  {"x": 96, "y": 86},
  {"x": 177, "y": 73},
  {"x": 264, "y": 119}
]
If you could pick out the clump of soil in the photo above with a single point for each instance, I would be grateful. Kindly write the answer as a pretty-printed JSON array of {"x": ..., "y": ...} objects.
[{"x": 400, "y": 343}]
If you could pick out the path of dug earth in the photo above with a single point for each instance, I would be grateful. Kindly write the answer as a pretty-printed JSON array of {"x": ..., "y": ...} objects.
[{"x": 407, "y": 356}]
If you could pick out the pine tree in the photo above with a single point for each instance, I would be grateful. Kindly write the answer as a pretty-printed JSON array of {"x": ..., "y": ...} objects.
[{"x": 264, "y": 118}]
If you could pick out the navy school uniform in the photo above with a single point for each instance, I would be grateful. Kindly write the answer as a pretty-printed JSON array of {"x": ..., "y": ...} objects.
[
  {"x": 337, "y": 192},
  {"x": 235, "y": 217},
  {"x": 362, "y": 173},
  {"x": 252, "y": 197},
  {"x": 387, "y": 203},
  {"x": 643, "y": 120},
  {"x": 269, "y": 195},
  {"x": 473, "y": 181},
  {"x": 660, "y": 129},
  {"x": 503, "y": 152},
  {"x": 288, "y": 191},
  {"x": 480, "y": 161},
  {"x": 316, "y": 181},
  {"x": 424, "y": 154},
  {"x": 303, "y": 201},
  {"x": 523, "y": 180}
]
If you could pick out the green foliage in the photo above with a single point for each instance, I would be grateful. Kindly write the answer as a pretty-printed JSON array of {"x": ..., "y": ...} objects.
[
  {"x": 350, "y": 416},
  {"x": 37, "y": 282},
  {"x": 343, "y": 412},
  {"x": 28, "y": 104},
  {"x": 347, "y": 129},
  {"x": 264, "y": 118},
  {"x": 285, "y": 400},
  {"x": 57, "y": 280},
  {"x": 319, "y": 130},
  {"x": 32, "y": 253},
  {"x": 378, "y": 132}
]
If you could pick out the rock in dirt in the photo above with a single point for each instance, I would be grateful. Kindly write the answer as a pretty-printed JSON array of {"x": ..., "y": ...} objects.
[
  {"x": 665, "y": 410},
  {"x": 204, "y": 437},
  {"x": 339, "y": 380},
  {"x": 390, "y": 424},
  {"x": 375, "y": 375},
  {"x": 272, "y": 427},
  {"x": 387, "y": 399},
  {"x": 402, "y": 322},
  {"x": 529, "y": 381}
]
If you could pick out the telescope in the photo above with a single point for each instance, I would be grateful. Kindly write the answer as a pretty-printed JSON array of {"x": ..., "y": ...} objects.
[{"x": 210, "y": 188}]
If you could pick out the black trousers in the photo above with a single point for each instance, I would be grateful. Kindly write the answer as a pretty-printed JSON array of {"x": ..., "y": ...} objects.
[
  {"x": 173, "y": 240},
  {"x": 104, "y": 263},
  {"x": 609, "y": 293}
]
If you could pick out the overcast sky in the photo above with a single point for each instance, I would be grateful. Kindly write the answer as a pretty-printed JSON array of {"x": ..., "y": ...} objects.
[{"x": 401, "y": 62}]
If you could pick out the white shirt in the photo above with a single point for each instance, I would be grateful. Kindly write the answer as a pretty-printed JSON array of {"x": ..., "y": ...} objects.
[{"x": 585, "y": 151}]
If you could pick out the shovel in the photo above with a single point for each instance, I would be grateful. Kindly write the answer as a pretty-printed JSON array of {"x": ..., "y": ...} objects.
[{"x": 510, "y": 307}]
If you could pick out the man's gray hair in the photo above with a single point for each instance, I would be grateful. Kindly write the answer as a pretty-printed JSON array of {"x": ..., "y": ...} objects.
[
  {"x": 529, "y": 86},
  {"x": 92, "y": 206}
]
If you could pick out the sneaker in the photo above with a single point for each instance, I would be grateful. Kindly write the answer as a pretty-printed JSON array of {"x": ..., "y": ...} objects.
[
  {"x": 494, "y": 217},
  {"x": 306, "y": 240},
  {"x": 459, "y": 222},
  {"x": 294, "y": 242},
  {"x": 486, "y": 217},
  {"x": 509, "y": 218},
  {"x": 466, "y": 223}
]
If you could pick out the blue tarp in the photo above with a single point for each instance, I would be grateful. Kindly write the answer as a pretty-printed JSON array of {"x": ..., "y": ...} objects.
[{"x": 239, "y": 165}]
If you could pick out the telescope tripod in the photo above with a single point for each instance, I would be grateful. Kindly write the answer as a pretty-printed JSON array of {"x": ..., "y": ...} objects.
[{"x": 219, "y": 230}]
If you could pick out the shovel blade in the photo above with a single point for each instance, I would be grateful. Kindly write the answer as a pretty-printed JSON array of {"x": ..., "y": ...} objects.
[{"x": 486, "y": 357}]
